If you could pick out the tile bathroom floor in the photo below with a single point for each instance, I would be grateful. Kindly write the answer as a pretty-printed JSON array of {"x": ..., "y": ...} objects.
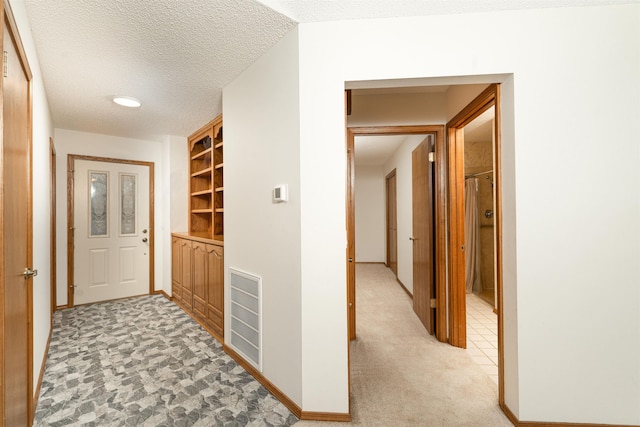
[{"x": 482, "y": 335}]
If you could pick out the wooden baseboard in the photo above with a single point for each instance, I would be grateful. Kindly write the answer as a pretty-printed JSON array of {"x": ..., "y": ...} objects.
[
  {"x": 516, "y": 422},
  {"x": 162, "y": 292},
  {"x": 41, "y": 376},
  {"x": 405, "y": 288},
  {"x": 283, "y": 398},
  {"x": 370, "y": 262},
  {"x": 199, "y": 321},
  {"x": 61, "y": 307},
  {"x": 325, "y": 416}
]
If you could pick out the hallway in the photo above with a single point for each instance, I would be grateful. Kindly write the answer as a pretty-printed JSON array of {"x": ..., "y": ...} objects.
[{"x": 400, "y": 375}]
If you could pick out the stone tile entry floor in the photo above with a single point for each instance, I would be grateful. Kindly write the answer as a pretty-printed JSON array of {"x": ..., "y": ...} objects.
[{"x": 143, "y": 361}]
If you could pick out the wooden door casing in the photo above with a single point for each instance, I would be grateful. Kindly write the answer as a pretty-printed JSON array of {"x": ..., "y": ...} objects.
[
  {"x": 16, "y": 240},
  {"x": 440, "y": 188},
  {"x": 392, "y": 222},
  {"x": 71, "y": 161},
  {"x": 423, "y": 234},
  {"x": 351, "y": 239}
]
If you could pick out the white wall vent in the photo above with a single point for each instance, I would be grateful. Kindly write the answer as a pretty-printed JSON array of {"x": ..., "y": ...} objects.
[{"x": 246, "y": 316}]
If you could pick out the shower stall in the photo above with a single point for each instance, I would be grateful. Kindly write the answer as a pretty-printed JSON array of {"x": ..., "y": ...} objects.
[{"x": 479, "y": 213}]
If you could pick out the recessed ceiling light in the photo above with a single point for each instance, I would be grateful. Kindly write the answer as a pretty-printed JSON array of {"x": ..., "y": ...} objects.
[{"x": 127, "y": 101}]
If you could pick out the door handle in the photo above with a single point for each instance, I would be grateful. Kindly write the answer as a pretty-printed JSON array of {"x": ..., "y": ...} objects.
[
  {"x": 29, "y": 273},
  {"x": 350, "y": 259},
  {"x": 144, "y": 239},
  {"x": 412, "y": 238}
]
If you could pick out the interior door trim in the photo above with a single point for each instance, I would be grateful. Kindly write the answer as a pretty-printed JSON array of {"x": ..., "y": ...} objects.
[
  {"x": 440, "y": 210},
  {"x": 52, "y": 223},
  {"x": 457, "y": 298},
  {"x": 387, "y": 206},
  {"x": 71, "y": 158}
]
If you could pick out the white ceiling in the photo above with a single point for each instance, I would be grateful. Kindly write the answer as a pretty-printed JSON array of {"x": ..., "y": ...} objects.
[
  {"x": 339, "y": 10},
  {"x": 375, "y": 150},
  {"x": 177, "y": 55}
]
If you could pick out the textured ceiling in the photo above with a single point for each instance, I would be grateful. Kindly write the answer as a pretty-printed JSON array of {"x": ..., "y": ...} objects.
[{"x": 177, "y": 55}]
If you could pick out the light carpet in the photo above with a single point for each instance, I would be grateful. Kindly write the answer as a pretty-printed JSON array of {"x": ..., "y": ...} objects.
[{"x": 400, "y": 375}]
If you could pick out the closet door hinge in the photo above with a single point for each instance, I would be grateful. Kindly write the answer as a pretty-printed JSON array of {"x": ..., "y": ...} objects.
[
  {"x": 5, "y": 65},
  {"x": 432, "y": 156},
  {"x": 433, "y": 303}
]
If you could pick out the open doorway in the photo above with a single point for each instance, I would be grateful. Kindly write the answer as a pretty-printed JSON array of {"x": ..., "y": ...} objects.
[
  {"x": 449, "y": 204},
  {"x": 470, "y": 157},
  {"x": 428, "y": 296}
]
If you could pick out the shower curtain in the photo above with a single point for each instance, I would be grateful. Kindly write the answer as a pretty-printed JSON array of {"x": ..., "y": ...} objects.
[{"x": 472, "y": 236}]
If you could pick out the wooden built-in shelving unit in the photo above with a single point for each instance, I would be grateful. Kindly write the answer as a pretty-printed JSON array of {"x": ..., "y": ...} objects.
[{"x": 198, "y": 254}]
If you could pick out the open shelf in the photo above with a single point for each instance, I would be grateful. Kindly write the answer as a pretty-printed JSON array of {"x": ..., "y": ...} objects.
[
  {"x": 206, "y": 184},
  {"x": 201, "y": 154}
]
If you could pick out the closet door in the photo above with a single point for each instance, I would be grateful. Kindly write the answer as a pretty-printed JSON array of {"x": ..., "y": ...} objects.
[
  {"x": 200, "y": 279},
  {"x": 215, "y": 289}
]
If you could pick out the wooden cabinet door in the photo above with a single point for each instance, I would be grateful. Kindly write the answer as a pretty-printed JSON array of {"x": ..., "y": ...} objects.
[
  {"x": 186, "y": 251},
  {"x": 176, "y": 268},
  {"x": 215, "y": 289},
  {"x": 200, "y": 279}
]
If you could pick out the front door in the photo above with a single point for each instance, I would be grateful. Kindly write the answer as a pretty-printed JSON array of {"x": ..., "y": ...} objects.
[
  {"x": 423, "y": 233},
  {"x": 16, "y": 237},
  {"x": 111, "y": 231}
]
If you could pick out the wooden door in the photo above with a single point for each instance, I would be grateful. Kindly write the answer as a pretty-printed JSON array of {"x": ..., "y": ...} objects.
[
  {"x": 176, "y": 268},
  {"x": 186, "y": 250},
  {"x": 423, "y": 234},
  {"x": 16, "y": 218},
  {"x": 200, "y": 277},
  {"x": 392, "y": 224},
  {"x": 215, "y": 289},
  {"x": 111, "y": 230}
]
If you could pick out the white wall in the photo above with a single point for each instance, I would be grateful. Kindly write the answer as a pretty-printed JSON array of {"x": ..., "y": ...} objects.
[
  {"x": 261, "y": 150},
  {"x": 568, "y": 87},
  {"x": 91, "y": 144},
  {"x": 176, "y": 201},
  {"x": 176, "y": 158},
  {"x": 401, "y": 162},
  {"x": 370, "y": 213},
  {"x": 42, "y": 131}
]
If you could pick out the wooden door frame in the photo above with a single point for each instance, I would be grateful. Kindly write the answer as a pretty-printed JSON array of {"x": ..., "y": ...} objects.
[
  {"x": 457, "y": 291},
  {"x": 52, "y": 224},
  {"x": 71, "y": 158},
  {"x": 440, "y": 211},
  {"x": 386, "y": 186}
]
